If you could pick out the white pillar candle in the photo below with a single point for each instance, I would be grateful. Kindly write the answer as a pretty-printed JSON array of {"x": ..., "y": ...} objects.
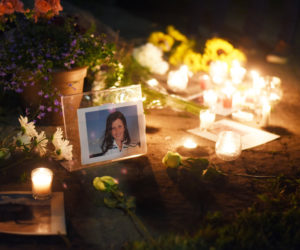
[
  {"x": 41, "y": 183},
  {"x": 228, "y": 145},
  {"x": 206, "y": 119}
]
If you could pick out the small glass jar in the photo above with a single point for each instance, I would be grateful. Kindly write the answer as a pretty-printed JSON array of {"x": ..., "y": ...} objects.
[
  {"x": 228, "y": 145},
  {"x": 41, "y": 183}
]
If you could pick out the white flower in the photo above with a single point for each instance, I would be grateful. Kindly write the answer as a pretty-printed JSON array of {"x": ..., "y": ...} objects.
[
  {"x": 62, "y": 148},
  {"x": 41, "y": 143},
  {"x": 57, "y": 137},
  {"x": 28, "y": 127},
  {"x": 150, "y": 56},
  {"x": 22, "y": 140}
]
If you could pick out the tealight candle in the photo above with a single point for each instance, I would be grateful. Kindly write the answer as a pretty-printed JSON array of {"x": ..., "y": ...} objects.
[
  {"x": 189, "y": 143},
  {"x": 228, "y": 145},
  {"x": 41, "y": 183},
  {"x": 206, "y": 119}
]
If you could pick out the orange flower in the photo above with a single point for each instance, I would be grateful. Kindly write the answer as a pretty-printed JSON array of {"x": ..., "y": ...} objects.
[
  {"x": 10, "y": 6},
  {"x": 42, "y": 6},
  {"x": 46, "y": 8},
  {"x": 55, "y": 5}
]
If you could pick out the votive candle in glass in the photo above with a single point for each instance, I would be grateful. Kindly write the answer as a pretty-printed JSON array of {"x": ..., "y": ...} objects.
[
  {"x": 41, "y": 183},
  {"x": 207, "y": 118},
  {"x": 228, "y": 145}
]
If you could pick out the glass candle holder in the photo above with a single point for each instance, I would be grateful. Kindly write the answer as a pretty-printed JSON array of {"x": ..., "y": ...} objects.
[
  {"x": 207, "y": 118},
  {"x": 228, "y": 145},
  {"x": 41, "y": 183}
]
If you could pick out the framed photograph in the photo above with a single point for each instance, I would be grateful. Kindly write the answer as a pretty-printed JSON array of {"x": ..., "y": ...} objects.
[{"x": 111, "y": 132}]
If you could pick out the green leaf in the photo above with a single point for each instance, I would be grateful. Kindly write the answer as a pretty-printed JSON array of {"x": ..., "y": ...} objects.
[
  {"x": 130, "y": 202},
  {"x": 110, "y": 202}
]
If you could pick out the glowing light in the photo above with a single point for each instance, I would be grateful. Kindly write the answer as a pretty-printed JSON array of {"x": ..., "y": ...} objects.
[
  {"x": 152, "y": 82},
  {"x": 218, "y": 71},
  {"x": 206, "y": 119},
  {"x": 228, "y": 145},
  {"x": 189, "y": 143},
  {"x": 41, "y": 183},
  {"x": 237, "y": 72},
  {"x": 178, "y": 80}
]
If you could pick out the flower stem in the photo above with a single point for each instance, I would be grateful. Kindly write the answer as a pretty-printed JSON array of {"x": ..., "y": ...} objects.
[{"x": 140, "y": 225}]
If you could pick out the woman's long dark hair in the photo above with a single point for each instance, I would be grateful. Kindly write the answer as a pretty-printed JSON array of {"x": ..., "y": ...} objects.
[{"x": 108, "y": 139}]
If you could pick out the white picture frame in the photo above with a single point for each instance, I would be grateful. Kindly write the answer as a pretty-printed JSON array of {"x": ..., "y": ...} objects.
[{"x": 99, "y": 135}]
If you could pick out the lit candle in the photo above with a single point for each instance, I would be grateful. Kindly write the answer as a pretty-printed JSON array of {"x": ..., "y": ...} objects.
[
  {"x": 204, "y": 81},
  {"x": 266, "y": 110},
  {"x": 237, "y": 72},
  {"x": 210, "y": 98},
  {"x": 258, "y": 82},
  {"x": 218, "y": 71},
  {"x": 228, "y": 145},
  {"x": 41, "y": 183},
  {"x": 189, "y": 143},
  {"x": 228, "y": 91},
  {"x": 206, "y": 119},
  {"x": 178, "y": 80}
]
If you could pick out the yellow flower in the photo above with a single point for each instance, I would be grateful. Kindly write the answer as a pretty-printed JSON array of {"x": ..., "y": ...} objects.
[
  {"x": 177, "y": 56},
  {"x": 176, "y": 34},
  {"x": 161, "y": 40},
  {"x": 104, "y": 183},
  {"x": 192, "y": 60},
  {"x": 218, "y": 47},
  {"x": 172, "y": 160},
  {"x": 236, "y": 54},
  {"x": 206, "y": 61}
]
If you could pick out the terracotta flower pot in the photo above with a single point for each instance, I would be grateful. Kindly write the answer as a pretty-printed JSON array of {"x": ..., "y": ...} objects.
[{"x": 67, "y": 82}]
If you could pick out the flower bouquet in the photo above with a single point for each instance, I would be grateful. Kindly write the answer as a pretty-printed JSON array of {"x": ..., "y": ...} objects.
[{"x": 36, "y": 43}]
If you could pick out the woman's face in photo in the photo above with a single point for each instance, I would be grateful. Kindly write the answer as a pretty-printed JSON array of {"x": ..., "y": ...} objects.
[{"x": 117, "y": 130}]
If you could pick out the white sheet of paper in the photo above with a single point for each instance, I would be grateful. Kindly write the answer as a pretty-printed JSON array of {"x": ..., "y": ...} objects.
[{"x": 251, "y": 137}]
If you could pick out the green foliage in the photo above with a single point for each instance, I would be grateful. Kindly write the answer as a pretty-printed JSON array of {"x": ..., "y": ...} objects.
[{"x": 271, "y": 223}]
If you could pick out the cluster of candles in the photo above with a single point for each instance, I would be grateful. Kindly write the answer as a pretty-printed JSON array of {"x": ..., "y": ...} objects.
[{"x": 247, "y": 94}]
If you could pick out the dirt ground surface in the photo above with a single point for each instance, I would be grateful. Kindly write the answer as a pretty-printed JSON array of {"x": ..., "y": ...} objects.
[{"x": 166, "y": 202}]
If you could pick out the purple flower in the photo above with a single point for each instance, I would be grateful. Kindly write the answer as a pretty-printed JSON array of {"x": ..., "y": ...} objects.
[
  {"x": 46, "y": 96},
  {"x": 2, "y": 74},
  {"x": 46, "y": 78},
  {"x": 72, "y": 61},
  {"x": 19, "y": 90},
  {"x": 27, "y": 112},
  {"x": 40, "y": 93},
  {"x": 49, "y": 109},
  {"x": 56, "y": 102},
  {"x": 55, "y": 109},
  {"x": 42, "y": 107},
  {"x": 40, "y": 66},
  {"x": 73, "y": 43}
]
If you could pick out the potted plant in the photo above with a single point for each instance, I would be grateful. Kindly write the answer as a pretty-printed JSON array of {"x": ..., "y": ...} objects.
[{"x": 38, "y": 45}]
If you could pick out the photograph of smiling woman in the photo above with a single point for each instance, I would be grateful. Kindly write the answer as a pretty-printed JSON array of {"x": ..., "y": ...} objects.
[{"x": 116, "y": 137}]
